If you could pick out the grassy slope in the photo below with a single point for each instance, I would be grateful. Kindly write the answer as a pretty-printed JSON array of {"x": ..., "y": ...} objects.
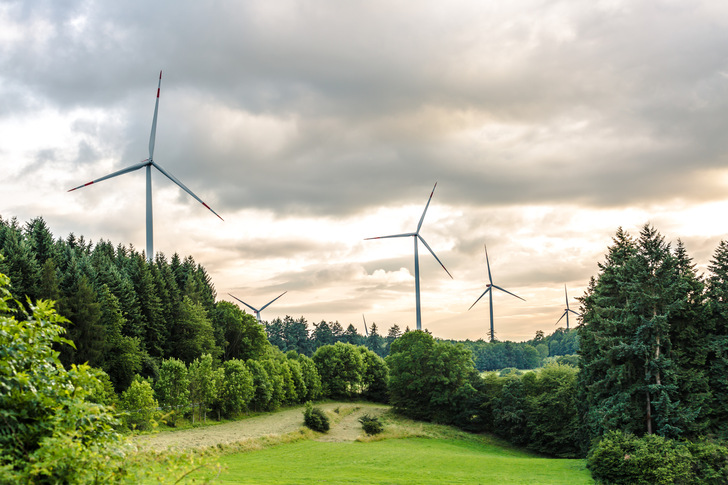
[
  {"x": 408, "y": 452},
  {"x": 410, "y": 460}
]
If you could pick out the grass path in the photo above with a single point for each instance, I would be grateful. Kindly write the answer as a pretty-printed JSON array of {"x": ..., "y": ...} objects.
[{"x": 273, "y": 424}]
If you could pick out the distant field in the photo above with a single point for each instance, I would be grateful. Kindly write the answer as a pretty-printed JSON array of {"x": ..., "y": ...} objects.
[{"x": 398, "y": 461}]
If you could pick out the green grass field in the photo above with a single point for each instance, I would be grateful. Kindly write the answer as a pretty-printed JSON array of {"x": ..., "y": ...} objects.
[
  {"x": 410, "y": 460},
  {"x": 407, "y": 452}
]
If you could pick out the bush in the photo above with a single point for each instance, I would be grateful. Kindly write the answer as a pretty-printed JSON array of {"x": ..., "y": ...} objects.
[
  {"x": 371, "y": 424},
  {"x": 315, "y": 418},
  {"x": 624, "y": 458}
]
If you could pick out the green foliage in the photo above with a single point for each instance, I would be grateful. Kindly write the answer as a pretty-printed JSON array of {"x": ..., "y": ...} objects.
[
  {"x": 50, "y": 431},
  {"x": 371, "y": 424},
  {"x": 238, "y": 333},
  {"x": 375, "y": 376},
  {"x": 552, "y": 418},
  {"x": 429, "y": 380},
  {"x": 315, "y": 418},
  {"x": 311, "y": 378},
  {"x": 172, "y": 388},
  {"x": 642, "y": 370},
  {"x": 139, "y": 404},
  {"x": 203, "y": 386},
  {"x": 261, "y": 384},
  {"x": 341, "y": 369},
  {"x": 237, "y": 387},
  {"x": 623, "y": 458},
  {"x": 194, "y": 335}
]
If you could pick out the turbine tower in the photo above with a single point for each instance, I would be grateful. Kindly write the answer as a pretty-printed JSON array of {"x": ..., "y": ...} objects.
[
  {"x": 256, "y": 310},
  {"x": 416, "y": 236},
  {"x": 149, "y": 163},
  {"x": 489, "y": 288},
  {"x": 566, "y": 311}
]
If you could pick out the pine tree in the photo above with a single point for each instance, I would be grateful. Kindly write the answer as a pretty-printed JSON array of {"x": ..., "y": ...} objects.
[
  {"x": 630, "y": 366},
  {"x": 717, "y": 360}
]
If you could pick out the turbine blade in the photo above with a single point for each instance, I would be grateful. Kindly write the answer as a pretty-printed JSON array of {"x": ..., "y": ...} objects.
[
  {"x": 562, "y": 316},
  {"x": 425, "y": 211},
  {"x": 274, "y": 299},
  {"x": 153, "y": 134},
  {"x": 481, "y": 296},
  {"x": 183, "y": 187},
  {"x": 572, "y": 311},
  {"x": 512, "y": 294},
  {"x": 365, "y": 325},
  {"x": 409, "y": 234},
  {"x": 241, "y": 301},
  {"x": 567, "y": 297},
  {"x": 434, "y": 255},
  {"x": 487, "y": 261},
  {"x": 111, "y": 175}
]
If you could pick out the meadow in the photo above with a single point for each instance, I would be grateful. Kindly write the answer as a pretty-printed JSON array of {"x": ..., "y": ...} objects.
[
  {"x": 399, "y": 461},
  {"x": 407, "y": 452}
]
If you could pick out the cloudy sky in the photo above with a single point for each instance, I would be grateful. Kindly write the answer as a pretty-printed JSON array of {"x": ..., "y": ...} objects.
[{"x": 312, "y": 125}]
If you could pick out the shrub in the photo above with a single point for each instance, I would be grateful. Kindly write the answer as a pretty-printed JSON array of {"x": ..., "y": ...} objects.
[
  {"x": 371, "y": 424},
  {"x": 624, "y": 458},
  {"x": 315, "y": 418}
]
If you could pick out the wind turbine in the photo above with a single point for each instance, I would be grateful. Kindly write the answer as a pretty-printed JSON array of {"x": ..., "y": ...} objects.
[
  {"x": 416, "y": 235},
  {"x": 256, "y": 310},
  {"x": 149, "y": 163},
  {"x": 566, "y": 311},
  {"x": 365, "y": 325},
  {"x": 489, "y": 288}
]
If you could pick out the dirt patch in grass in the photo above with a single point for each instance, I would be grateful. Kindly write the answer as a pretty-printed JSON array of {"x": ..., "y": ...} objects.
[{"x": 275, "y": 424}]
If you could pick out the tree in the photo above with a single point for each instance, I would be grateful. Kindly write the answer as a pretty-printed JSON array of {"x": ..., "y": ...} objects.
[
  {"x": 122, "y": 355},
  {"x": 237, "y": 387},
  {"x": 351, "y": 336},
  {"x": 340, "y": 367},
  {"x": 375, "y": 376},
  {"x": 173, "y": 387},
  {"x": 311, "y": 378},
  {"x": 86, "y": 329},
  {"x": 140, "y": 405},
  {"x": 237, "y": 333},
  {"x": 632, "y": 314},
  {"x": 322, "y": 334},
  {"x": 553, "y": 421},
  {"x": 203, "y": 386},
  {"x": 717, "y": 338},
  {"x": 194, "y": 335},
  {"x": 263, "y": 388},
  {"x": 375, "y": 342},
  {"x": 427, "y": 379},
  {"x": 50, "y": 431}
]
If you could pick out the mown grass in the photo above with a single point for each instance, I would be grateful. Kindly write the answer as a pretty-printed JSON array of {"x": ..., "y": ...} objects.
[
  {"x": 407, "y": 452},
  {"x": 405, "y": 461}
]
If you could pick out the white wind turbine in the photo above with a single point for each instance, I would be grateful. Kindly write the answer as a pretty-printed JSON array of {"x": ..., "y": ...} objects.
[
  {"x": 149, "y": 163},
  {"x": 567, "y": 310},
  {"x": 366, "y": 332},
  {"x": 489, "y": 289},
  {"x": 256, "y": 310},
  {"x": 416, "y": 236}
]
